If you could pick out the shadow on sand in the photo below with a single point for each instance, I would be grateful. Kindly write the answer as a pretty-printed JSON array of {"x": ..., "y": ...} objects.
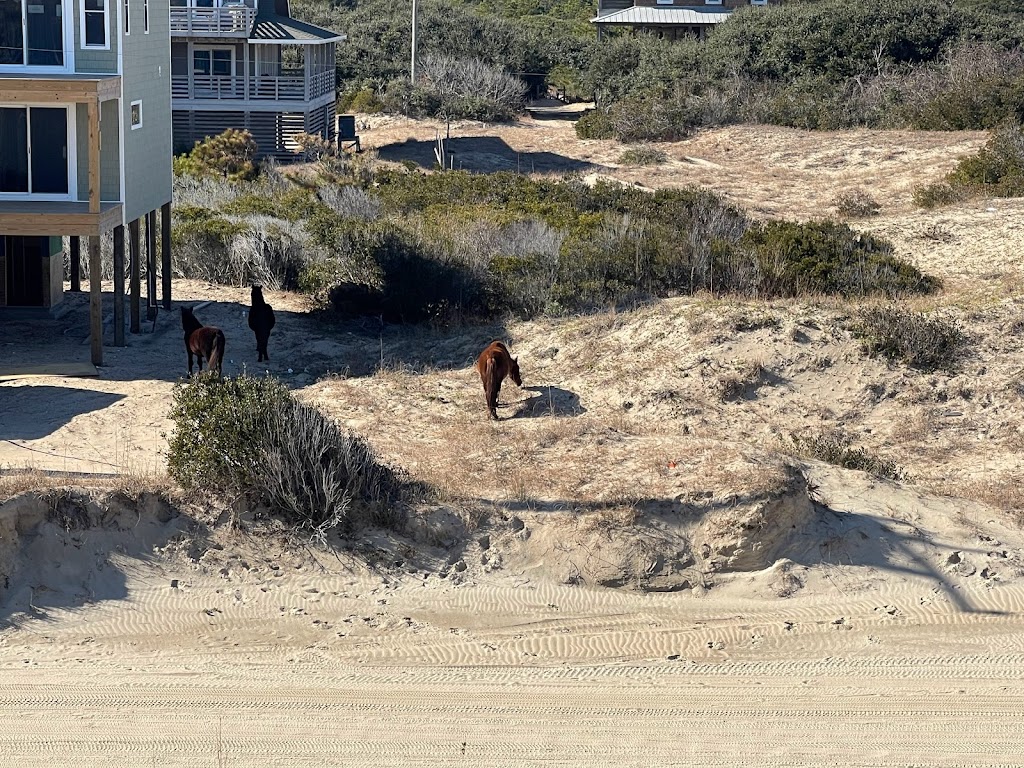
[{"x": 483, "y": 154}]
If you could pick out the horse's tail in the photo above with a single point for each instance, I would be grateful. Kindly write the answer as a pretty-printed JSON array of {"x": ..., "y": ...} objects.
[{"x": 217, "y": 356}]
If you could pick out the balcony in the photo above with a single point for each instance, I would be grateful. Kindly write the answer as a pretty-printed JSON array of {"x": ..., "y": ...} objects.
[
  {"x": 296, "y": 88},
  {"x": 234, "y": 21}
]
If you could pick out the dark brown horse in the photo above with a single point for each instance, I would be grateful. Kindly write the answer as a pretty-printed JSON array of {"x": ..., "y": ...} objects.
[
  {"x": 494, "y": 364},
  {"x": 261, "y": 320},
  {"x": 202, "y": 341}
]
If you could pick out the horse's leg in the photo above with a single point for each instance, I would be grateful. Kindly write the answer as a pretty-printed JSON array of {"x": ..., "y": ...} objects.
[{"x": 189, "y": 361}]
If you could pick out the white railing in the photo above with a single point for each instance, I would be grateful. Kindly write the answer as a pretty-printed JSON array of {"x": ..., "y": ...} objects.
[
  {"x": 231, "y": 21},
  {"x": 256, "y": 88}
]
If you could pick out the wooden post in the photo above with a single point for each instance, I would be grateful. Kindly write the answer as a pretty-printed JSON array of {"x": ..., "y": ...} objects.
[
  {"x": 165, "y": 243},
  {"x": 136, "y": 288},
  {"x": 151, "y": 302},
  {"x": 95, "y": 302},
  {"x": 94, "y": 156},
  {"x": 76, "y": 263},
  {"x": 119, "y": 285}
]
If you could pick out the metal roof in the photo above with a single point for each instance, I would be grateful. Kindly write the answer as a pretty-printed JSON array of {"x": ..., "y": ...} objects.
[
  {"x": 664, "y": 15},
  {"x": 272, "y": 28}
]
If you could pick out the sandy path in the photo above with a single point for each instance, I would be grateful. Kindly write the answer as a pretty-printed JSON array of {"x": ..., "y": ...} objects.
[{"x": 824, "y": 712}]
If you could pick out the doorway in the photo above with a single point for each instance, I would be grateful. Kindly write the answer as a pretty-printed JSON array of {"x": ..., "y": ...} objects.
[{"x": 23, "y": 268}]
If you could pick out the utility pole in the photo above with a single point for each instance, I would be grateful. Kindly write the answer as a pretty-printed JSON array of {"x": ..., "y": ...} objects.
[{"x": 412, "y": 64}]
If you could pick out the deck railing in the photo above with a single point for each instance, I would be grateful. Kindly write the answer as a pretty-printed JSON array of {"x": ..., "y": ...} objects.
[
  {"x": 228, "y": 21},
  {"x": 255, "y": 88}
]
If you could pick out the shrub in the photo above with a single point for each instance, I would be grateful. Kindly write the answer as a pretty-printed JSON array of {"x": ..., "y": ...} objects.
[
  {"x": 651, "y": 119},
  {"x": 998, "y": 168},
  {"x": 856, "y": 204},
  {"x": 642, "y": 156},
  {"x": 360, "y": 100},
  {"x": 935, "y": 195},
  {"x": 230, "y": 154},
  {"x": 791, "y": 259},
  {"x": 595, "y": 124},
  {"x": 250, "y": 436},
  {"x": 921, "y": 341},
  {"x": 834, "y": 447}
]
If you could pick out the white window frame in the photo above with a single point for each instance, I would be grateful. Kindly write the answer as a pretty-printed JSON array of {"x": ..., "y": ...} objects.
[
  {"x": 72, "y": 159},
  {"x": 106, "y": 27},
  {"x": 68, "y": 42},
  {"x": 145, "y": 17},
  {"x": 138, "y": 103}
]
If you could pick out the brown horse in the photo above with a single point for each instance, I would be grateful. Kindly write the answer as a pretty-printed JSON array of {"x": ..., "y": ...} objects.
[
  {"x": 494, "y": 364},
  {"x": 202, "y": 341}
]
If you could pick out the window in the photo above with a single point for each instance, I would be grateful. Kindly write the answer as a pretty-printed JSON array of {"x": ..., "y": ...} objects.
[
  {"x": 127, "y": 19},
  {"x": 145, "y": 17},
  {"x": 666, "y": 2},
  {"x": 213, "y": 61},
  {"x": 136, "y": 111},
  {"x": 712, "y": 2},
  {"x": 32, "y": 33},
  {"x": 94, "y": 28},
  {"x": 35, "y": 159},
  {"x": 759, "y": 2}
]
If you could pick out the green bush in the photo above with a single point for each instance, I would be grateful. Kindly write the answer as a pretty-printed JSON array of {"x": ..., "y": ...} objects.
[
  {"x": 250, "y": 436},
  {"x": 360, "y": 100},
  {"x": 936, "y": 195},
  {"x": 997, "y": 170},
  {"x": 231, "y": 154},
  {"x": 595, "y": 124},
  {"x": 793, "y": 259},
  {"x": 643, "y": 156},
  {"x": 927, "y": 342},
  {"x": 834, "y": 447}
]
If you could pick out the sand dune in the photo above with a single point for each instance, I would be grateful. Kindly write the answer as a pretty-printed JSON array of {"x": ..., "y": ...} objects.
[{"x": 631, "y": 567}]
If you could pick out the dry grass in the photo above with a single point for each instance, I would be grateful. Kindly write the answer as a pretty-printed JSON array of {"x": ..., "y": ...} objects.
[{"x": 131, "y": 485}]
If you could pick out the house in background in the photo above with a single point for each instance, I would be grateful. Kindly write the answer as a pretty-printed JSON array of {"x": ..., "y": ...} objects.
[
  {"x": 671, "y": 19},
  {"x": 248, "y": 64},
  {"x": 85, "y": 148}
]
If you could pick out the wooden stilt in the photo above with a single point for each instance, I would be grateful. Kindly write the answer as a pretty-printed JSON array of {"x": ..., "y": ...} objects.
[
  {"x": 151, "y": 300},
  {"x": 165, "y": 255},
  {"x": 75, "y": 246},
  {"x": 119, "y": 286},
  {"x": 134, "y": 275},
  {"x": 95, "y": 302}
]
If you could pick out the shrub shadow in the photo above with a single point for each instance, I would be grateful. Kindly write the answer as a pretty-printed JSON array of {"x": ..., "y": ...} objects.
[
  {"x": 483, "y": 154},
  {"x": 548, "y": 401}
]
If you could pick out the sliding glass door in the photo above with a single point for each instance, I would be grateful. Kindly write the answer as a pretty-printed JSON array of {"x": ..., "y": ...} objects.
[
  {"x": 35, "y": 156},
  {"x": 32, "y": 33}
]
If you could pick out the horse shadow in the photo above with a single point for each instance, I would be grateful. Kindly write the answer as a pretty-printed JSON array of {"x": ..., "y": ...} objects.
[{"x": 549, "y": 401}]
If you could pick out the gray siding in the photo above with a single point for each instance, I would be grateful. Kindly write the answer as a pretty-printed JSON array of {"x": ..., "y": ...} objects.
[
  {"x": 110, "y": 155},
  {"x": 146, "y": 76},
  {"x": 91, "y": 59}
]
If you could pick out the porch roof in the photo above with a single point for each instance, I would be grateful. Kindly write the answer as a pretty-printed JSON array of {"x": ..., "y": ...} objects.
[
  {"x": 654, "y": 16},
  {"x": 59, "y": 217},
  {"x": 270, "y": 28},
  {"x": 22, "y": 87}
]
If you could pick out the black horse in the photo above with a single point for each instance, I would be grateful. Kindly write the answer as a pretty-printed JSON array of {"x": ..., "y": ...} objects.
[{"x": 261, "y": 320}]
